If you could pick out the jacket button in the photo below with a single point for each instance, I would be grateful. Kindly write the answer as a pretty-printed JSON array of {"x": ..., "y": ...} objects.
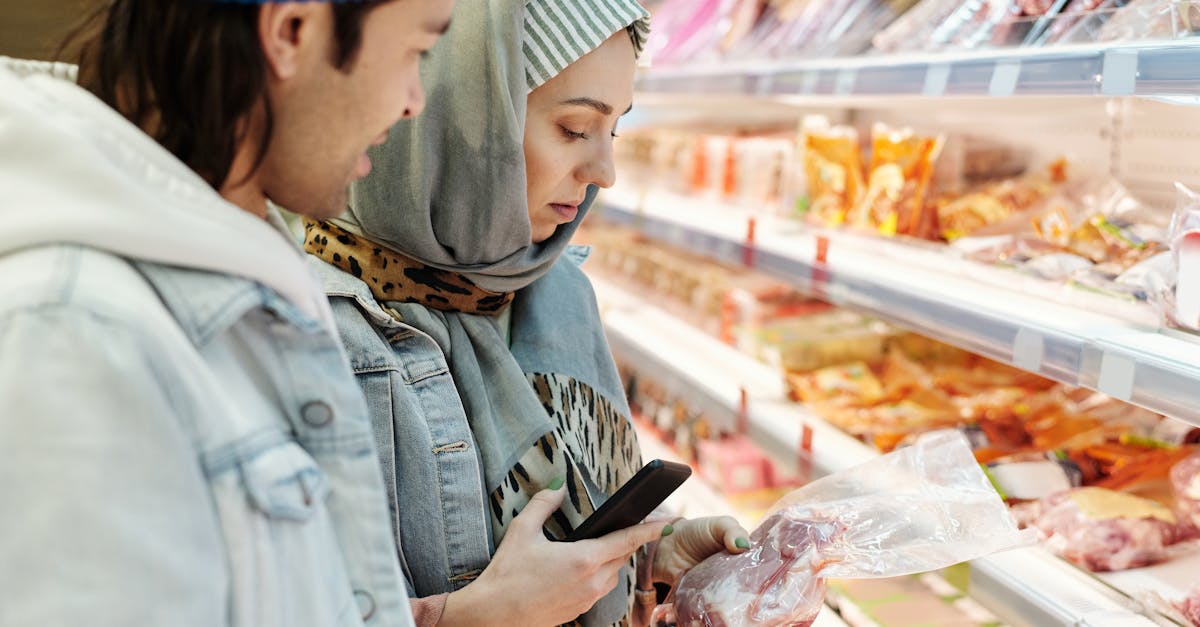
[
  {"x": 366, "y": 603},
  {"x": 317, "y": 413}
]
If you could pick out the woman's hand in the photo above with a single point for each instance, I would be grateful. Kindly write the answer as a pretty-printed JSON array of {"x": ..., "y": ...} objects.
[
  {"x": 693, "y": 541},
  {"x": 534, "y": 581}
]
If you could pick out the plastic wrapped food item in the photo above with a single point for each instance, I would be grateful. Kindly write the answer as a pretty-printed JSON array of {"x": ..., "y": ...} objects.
[
  {"x": 850, "y": 383},
  {"x": 1146, "y": 19},
  {"x": 911, "y": 32},
  {"x": 1185, "y": 479},
  {"x": 995, "y": 202},
  {"x": 1189, "y": 607},
  {"x": 902, "y": 164},
  {"x": 1181, "y": 304},
  {"x": 1032, "y": 476},
  {"x": 1142, "y": 468},
  {"x": 686, "y": 30},
  {"x": 921, "y": 508},
  {"x": 1080, "y": 20},
  {"x": 833, "y": 166},
  {"x": 1104, "y": 530}
]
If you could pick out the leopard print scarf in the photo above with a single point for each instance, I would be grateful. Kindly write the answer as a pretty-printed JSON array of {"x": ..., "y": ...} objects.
[
  {"x": 590, "y": 437},
  {"x": 395, "y": 277}
]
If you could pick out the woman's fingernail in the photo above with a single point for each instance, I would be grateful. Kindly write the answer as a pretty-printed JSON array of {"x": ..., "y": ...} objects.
[
  {"x": 668, "y": 530},
  {"x": 742, "y": 543},
  {"x": 557, "y": 483}
]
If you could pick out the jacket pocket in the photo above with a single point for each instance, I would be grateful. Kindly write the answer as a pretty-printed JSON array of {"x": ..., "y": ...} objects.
[
  {"x": 285, "y": 482},
  {"x": 285, "y": 560}
]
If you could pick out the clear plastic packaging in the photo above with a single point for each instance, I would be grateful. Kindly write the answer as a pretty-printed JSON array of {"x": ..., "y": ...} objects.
[
  {"x": 1145, "y": 19},
  {"x": 1181, "y": 304},
  {"x": 918, "y": 509}
]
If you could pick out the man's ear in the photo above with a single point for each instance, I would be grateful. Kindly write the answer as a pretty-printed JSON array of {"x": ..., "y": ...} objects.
[{"x": 288, "y": 32}]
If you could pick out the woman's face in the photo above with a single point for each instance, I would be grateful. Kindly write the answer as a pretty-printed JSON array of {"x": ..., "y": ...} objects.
[{"x": 570, "y": 124}]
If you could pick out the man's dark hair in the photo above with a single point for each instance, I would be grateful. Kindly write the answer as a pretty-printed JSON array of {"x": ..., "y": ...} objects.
[{"x": 188, "y": 72}]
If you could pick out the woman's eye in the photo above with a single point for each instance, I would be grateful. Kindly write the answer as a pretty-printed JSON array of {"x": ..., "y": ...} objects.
[{"x": 572, "y": 134}]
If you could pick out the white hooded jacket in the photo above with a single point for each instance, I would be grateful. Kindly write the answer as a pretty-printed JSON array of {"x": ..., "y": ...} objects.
[{"x": 181, "y": 439}]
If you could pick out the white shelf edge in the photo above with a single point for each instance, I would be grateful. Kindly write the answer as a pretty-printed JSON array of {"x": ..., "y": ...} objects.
[{"x": 1155, "y": 69}]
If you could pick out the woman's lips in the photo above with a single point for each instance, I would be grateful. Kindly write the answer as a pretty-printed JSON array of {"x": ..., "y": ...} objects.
[{"x": 566, "y": 212}]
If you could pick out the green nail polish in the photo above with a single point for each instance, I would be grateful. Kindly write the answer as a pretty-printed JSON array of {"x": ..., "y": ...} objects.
[
  {"x": 556, "y": 484},
  {"x": 742, "y": 543},
  {"x": 668, "y": 530}
]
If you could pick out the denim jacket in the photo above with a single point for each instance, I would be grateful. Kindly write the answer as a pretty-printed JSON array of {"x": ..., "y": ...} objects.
[
  {"x": 181, "y": 441},
  {"x": 181, "y": 448},
  {"x": 430, "y": 464}
]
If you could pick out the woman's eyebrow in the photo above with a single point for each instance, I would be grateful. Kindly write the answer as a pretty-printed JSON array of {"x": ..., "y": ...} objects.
[{"x": 592, "y": 103}]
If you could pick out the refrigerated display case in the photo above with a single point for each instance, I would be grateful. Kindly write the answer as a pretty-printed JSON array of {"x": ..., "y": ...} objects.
[{"x": 1124, "y": 110}]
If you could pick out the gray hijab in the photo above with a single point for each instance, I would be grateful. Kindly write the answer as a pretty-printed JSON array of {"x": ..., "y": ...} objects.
[{"x": 448, "y": 188}]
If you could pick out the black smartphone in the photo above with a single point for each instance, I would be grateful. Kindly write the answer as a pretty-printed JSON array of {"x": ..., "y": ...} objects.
[{"x": 633, "y": 501}]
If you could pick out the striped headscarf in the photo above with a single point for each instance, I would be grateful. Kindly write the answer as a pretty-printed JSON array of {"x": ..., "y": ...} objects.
[{"x": 559, "y": 32}]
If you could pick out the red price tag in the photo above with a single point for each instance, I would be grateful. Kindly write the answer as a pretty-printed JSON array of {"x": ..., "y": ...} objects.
[
  {"x": 748, "y": 247},
  {"x": 743, "y": 416},
  {"x": 820, "y": 275},
  {"x": 822, "y": 249},
  {"x": 804, "y": 460}
]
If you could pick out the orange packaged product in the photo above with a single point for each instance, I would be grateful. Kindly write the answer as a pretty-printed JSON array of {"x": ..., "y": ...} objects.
[
  {"x": 902, "y": 164},
  {"x": 887, "y": 425},
  {"x": 1146, "y": 473},
  {"x": 850, "y": 384},
  {"x": 1056, "y": 428},
  {"x": 833, "y": 166},
  {"x": 995, "y": 202}
]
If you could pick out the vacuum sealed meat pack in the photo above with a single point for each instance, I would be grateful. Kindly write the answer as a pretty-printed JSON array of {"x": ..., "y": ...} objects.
[{"x": 920, "y": 508}]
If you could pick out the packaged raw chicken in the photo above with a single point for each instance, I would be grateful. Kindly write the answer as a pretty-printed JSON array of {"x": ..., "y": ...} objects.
[
  {"x": 902, "y": 164},
  {"x": 921, "y": 508},
  {"x": 1104, "y": 530}
]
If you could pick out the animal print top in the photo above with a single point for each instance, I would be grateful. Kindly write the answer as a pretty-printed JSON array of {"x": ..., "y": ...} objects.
[
  {"x": 590, "y": 435},
  {"x": 395, "y": 277}
]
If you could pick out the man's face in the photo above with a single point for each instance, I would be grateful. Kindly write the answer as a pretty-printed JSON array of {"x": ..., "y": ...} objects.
[{"x": 326, "y": 117}]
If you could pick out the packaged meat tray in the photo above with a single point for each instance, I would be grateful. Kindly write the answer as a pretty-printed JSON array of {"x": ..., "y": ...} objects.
[
  {"x": 1104, "y": 530},
  {"x": 918, "y": 509}
]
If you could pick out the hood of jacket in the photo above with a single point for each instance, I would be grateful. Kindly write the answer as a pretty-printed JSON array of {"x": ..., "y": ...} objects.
[{"x": 74, "y": 171}]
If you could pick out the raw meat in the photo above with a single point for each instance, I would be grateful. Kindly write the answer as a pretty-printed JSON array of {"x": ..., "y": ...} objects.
[
  {"x": 1190, "y": 607},
  {"x": 1103, "y": 530},
  {"x": 1185, "y": 479},
  {"x": 774, "y": 583}
]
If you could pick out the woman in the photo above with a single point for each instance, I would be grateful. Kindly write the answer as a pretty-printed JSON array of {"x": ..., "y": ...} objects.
[{"x": 478, "y": 343}]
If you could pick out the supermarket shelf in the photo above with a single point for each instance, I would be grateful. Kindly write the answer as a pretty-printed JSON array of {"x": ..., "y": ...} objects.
[
  {"x": 714, "y": 378},
  {"x": 1168, "y": 70},
  {"x": 1067, "y": 334},
  {"x": 1025, "y": 587}
]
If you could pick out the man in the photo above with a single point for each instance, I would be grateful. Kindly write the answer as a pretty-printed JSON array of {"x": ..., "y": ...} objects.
[{"x": 181, "y": 440}]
